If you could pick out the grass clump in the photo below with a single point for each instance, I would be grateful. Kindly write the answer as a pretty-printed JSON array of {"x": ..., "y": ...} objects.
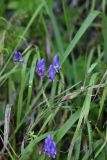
[{"x": 62, "y": 106}]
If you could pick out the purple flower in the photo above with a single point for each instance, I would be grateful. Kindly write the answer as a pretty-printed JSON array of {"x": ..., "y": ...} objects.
[
  {"x": 41, "y": 68},
  {"x": 56, "y": 63},
  {"x": 51, "y": 72},
  {"x": 49, "y": 147},
  {"x": 17, "y": 57}
]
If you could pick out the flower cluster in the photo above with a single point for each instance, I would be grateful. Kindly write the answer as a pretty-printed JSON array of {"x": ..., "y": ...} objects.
[
  {"x": 17, "y": 57},
  {"x": 53, "y": 68},
  {"x": 49, "y": 147},
  {"x": 41, "y": 68}
]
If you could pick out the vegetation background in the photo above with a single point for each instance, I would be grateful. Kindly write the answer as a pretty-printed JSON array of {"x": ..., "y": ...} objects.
[{"x": 73, "y": 108}]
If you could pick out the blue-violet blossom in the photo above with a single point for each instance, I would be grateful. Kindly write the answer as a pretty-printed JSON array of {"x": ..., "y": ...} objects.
[
  {"x": 41, "y": 68},
  {"x": 17, "y": 57},
  {"x": 56, "y": 63},
  {"x": 49, "y": 147},
  {"x": 51, "y": 72}
]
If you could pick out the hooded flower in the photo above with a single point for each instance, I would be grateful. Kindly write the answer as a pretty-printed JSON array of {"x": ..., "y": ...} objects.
[
  {"x": 17, "y": 57},
  {"x": 41, "y": 68},
  {"x": 51, "y": 72},
  {"x": 56, "y": 63},
  {"x": 49, "y": 147}
]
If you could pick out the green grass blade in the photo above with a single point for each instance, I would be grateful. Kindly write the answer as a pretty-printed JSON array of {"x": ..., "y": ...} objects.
[
  {"x": 78, "y": 147},
  {"x": 23, "y": 78},
  {"x": 55, "y": 26},
  {"x": 90, "y": 137},
  {"x": 104, "y": 17},
  {"x": 103, "y": 98},
  {"x": 37, "y": 11},
  {"x": 83, "y": 115},
  {"x": 96, "y": 145},
  {"x": 67, "y": 125},
  {"x": 32, "y": 74},
  {"x": 79, "y": 34}
]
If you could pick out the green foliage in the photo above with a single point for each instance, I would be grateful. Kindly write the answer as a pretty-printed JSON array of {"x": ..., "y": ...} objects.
[{"x": 72, "y": 108}]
